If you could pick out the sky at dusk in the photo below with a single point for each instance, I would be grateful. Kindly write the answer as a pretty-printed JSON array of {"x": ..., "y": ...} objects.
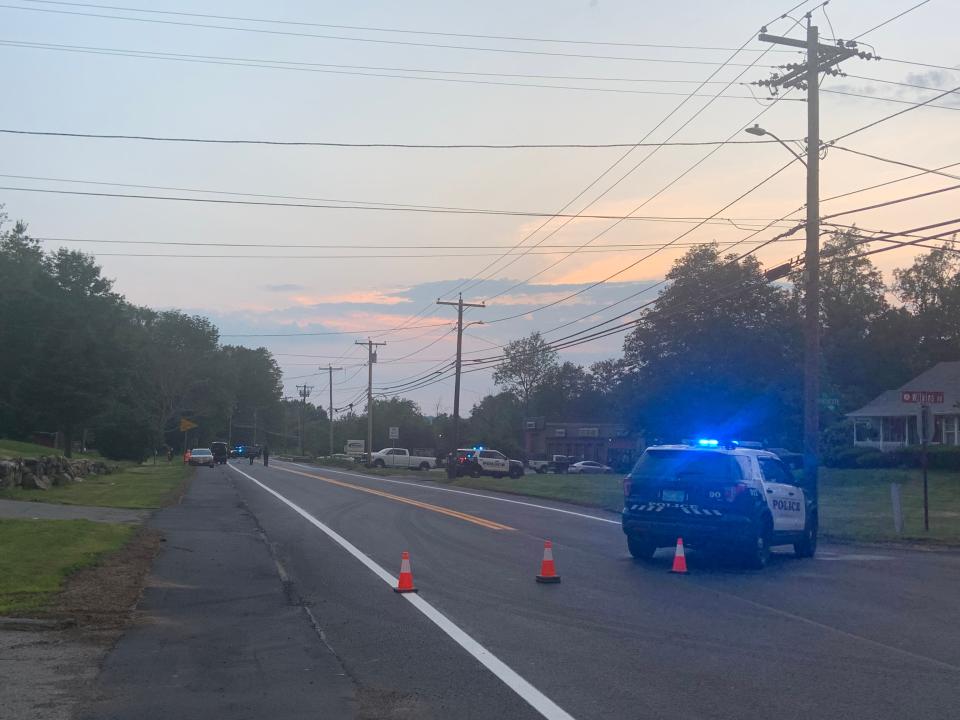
[{"x": 343, "y": 73}]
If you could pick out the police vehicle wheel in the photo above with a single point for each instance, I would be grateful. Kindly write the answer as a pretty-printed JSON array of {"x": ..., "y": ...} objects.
[
  {"x": 475, "y": 471},
  {"x": 757, "y": 555},
  {"x": 807, "y": 547},
  {"x": 640, "y": 548}
]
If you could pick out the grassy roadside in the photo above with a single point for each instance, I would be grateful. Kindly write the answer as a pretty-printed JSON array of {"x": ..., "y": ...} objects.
[
  {"x": 16, "y": 448},
  {"x": 39, "y": 555},
  {"x": 602, "y": 491},
  {"x": 140, "y": 486},
  {"x": 854, "y": 504}
]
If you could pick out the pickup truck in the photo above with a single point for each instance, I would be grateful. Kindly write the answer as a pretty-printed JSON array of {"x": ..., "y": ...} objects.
[
  {"x": 556, "y": 463},
  {"x": 401, "y": 458}
]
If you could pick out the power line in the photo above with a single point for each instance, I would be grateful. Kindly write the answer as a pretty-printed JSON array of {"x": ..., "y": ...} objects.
[
  {"x": 331, "y": 332},
  {"x": 637, "y": 262},
  {"x": 893, "y": 162},
  {"x": 890, "y": 20},
  {"x": 170, "y": 57},
  {"x": 366, "y": 28},
  {"x": 613, "y": 247},
  {"x": 894, "y": 82},
  {"x": 914, "y": 106},
  {"x": 580, "y": 194},
  {"x": 610, "y": 168},
  {"x": 400, "y": 146},
  {"x": 882, "y": 98},
  {"x": 919, "y": 64},
  {"x": 324, "y": 203},
  {"x": 376, "y": 41},
  {"x": 618, "y": 181}
]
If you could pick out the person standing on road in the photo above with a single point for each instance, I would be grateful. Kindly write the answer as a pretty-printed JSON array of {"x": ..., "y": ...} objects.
[{"x": 266, "y": 455}]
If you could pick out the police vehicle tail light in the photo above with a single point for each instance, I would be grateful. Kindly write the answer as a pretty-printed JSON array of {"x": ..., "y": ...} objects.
[
  {"x": 734, "y": 491},
  {"x": 627, "y": 486}
]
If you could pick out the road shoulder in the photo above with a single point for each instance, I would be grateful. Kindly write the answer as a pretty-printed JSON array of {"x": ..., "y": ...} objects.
[{"x": 219, "y": 632}]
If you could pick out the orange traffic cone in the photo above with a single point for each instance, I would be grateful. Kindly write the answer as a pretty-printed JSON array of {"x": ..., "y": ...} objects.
[
  {"x": 548, "y": 573},
  {"x": 405, "y": 583},
  {"x": 679, "y": 559}
]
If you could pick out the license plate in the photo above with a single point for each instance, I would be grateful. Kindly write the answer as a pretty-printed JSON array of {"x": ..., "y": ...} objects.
[{"x": 673, "y": 495}]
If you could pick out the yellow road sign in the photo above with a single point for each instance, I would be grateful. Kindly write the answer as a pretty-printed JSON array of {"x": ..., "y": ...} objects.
[{"x": 186, "y": 425}]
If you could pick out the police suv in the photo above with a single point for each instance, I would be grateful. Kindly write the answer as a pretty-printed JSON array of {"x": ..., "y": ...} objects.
[{"x": 716, "y": 497}]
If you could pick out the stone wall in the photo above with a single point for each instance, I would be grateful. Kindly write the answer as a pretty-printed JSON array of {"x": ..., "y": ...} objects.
[{"x": 43, "y": 472}]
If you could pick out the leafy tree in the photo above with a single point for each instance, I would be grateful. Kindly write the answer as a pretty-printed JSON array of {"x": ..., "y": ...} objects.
[
  {"x": 930, "y": 288},
  {"x": 527, "y": 364},
  {"x": 716, "y": 353},
  {"x": 852, "y": 299},
  {"x": 497, "y": 421},
  {"x": 69, "y": 379}
]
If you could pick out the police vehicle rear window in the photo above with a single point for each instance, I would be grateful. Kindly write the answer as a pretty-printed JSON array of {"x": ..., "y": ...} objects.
[{"x": 686, "y": 464}]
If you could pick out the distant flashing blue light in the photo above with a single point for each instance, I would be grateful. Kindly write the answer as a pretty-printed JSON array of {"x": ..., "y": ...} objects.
[{"x": 708, "y": 442}]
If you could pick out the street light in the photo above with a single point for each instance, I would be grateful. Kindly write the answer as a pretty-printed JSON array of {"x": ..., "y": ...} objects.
[
  {"x": 760, "y": 132},
  {"x": 811, "y": 300}
]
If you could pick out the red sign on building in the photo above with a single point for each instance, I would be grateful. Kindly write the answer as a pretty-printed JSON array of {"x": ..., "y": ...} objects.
[{"x": 924, "y": 397}]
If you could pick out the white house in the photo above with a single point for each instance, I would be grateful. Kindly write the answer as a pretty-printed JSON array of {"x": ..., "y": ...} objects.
[{"x": 891, "y": 419}]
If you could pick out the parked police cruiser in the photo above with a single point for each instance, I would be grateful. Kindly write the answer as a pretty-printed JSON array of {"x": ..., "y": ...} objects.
[{"x": 716, "y": 497}]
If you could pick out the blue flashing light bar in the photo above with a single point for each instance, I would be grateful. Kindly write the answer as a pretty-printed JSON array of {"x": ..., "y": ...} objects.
[{"x": 708, "y": 442}]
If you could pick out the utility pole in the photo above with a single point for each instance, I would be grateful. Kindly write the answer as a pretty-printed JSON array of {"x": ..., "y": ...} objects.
[
  {"x": 330, "y": 368},
  {"x": 304, "y": 391},
  {"x": 254, "y": 427},
  {"x": 459, "y": 305},
  {"x": 371, "y": 359},
  {"x": 820, "y": 58}
]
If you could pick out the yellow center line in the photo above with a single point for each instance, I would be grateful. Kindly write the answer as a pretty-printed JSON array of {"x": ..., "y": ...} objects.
[{"x": 489, "y": 524}]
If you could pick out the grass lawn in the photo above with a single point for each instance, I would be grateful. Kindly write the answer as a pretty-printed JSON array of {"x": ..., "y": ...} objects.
[
  {"x": 139, "y": 486},
  {"x": 16, "y": 448},
  {"x": 602, "y": 491},
  {"x": 38, "y": 555},
  {"x": 854, "y": 504}
]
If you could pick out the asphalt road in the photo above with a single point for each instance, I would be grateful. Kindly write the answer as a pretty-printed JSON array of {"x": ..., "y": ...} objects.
[{"x": 855, "y": 633}]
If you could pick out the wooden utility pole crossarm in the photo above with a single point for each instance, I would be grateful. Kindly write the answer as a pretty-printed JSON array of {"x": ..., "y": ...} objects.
[{"x": 459, "y": 305}]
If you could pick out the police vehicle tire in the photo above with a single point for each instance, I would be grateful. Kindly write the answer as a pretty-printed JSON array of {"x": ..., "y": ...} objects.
[
  {"x": 757, "y": 555},
  {"x": 807, "y": 547},
  {"x": 475, "y": 471},
  {"x": 640, "y": 548},
  {"x": 516, "y": 473},
  {"x": 498, "y": 475}
]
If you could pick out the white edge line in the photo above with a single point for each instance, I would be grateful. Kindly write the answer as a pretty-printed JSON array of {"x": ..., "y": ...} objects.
[
  {"x": 536, "y": 699},
  {"x": 458, "y": 492}
]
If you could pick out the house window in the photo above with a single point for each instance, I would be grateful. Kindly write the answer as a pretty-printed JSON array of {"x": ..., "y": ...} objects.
[
  {"x": 951, "y": 430},
  {"x": 560, "y": 432},
  {"x": 589, "y": 432},
  {"x": 866, "y": 430},
  {"x": 894, "y": 429}
]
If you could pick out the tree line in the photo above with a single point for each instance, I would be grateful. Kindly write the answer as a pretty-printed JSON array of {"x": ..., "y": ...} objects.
[
  {"x": 79, "y": 360},
  {"x": 719, "y": 351}
]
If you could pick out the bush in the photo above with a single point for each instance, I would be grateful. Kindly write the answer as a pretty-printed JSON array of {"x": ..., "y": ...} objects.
[
  {"x": 876, "y": 459},
  {"x": 847, "y": 457},
  {"x": 938, "y": 458}
]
